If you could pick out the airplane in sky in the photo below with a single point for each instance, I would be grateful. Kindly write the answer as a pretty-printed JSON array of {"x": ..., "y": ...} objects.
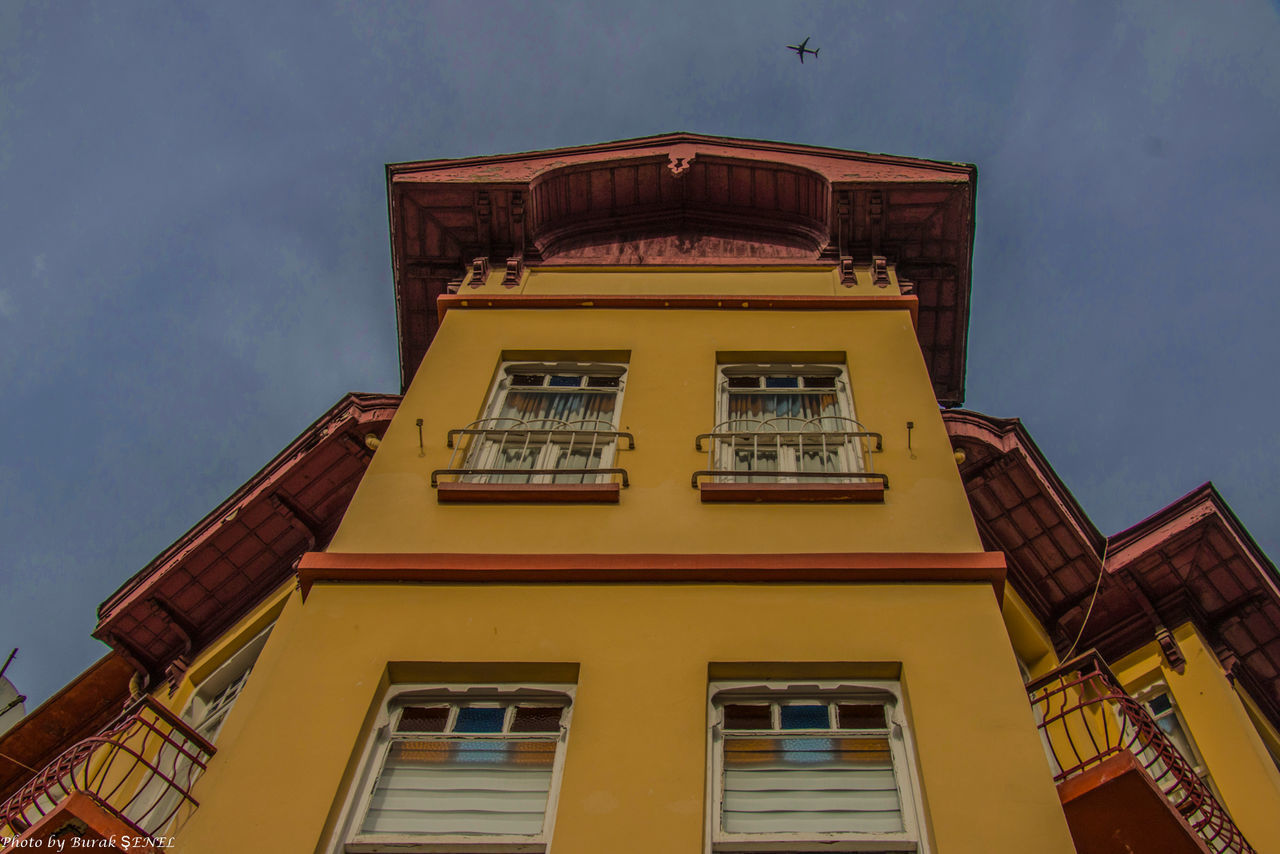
[{"x": 801, "y": 50}]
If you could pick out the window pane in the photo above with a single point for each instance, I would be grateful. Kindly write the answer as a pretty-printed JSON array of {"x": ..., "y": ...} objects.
[
  {"x": 747, "y": 716},
  {"x": 526, "y": 379},
  {"x": 480, "y": 787},
  {"x": 810, "y": 785},
  {"x": 805, "y": 717},
  {"x": 423, "y": 719},
  {"x": 819, "y": 382},
  {"x": 536, "y": 719},
  {"x": 566, "y": 381},
  {"x": 743, "y": 382},
  {"x": 603, "y": 382},
  {"x": 782, "y": 382},
  {"x": 479, "y": 719},
  {"x": 1159, "y": 704},
  {"x": 861, "y": 716}
]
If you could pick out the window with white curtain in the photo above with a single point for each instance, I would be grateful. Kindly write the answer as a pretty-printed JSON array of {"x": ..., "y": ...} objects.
[
  {"x": 456, "y": 768},
  {"x": 796, "y": 764},
  {"x": 783, "y": 420},
  {"x": 548, "y": 422}
]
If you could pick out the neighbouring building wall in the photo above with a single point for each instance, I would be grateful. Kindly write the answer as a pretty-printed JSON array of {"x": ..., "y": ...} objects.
[{"x": 1235, "y": 756}]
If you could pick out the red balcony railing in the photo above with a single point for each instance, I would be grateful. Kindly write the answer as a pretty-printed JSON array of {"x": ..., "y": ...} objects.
[
  {"x": 1087, "y": 717},
  {"x": 139, "y": 770}
]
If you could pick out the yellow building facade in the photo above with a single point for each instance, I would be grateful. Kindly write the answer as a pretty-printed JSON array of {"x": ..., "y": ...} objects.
[{"x": 668, "y": 546}]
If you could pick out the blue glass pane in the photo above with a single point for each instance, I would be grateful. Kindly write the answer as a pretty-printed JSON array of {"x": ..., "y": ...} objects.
[
  {"x": 782, "y": 382},
  {"x": 486, "y": 750},
  {"x": 472, "y": 719},
  {"x": 566, "y": 382},
  {"x": 804, "y": 750},
  {"x": 805, "y": 717}
]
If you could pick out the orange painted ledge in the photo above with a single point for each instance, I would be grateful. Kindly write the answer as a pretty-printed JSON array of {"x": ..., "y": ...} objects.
[
  {"x": 1115, "y": 808},
  {"x": 862, "y": 567},
  {"x": 782, "y": 493},
  {"x": 96, "y": 828},
  {"x": 452, "y": 492},
  {"x": 910, "y": 303}
]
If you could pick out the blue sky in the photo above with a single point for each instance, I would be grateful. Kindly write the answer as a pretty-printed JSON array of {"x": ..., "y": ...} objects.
[{"x": 194, "y": 258}]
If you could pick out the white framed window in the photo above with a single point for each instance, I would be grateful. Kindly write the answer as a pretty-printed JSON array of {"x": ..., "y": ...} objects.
[
  {"x": 548, "y": 422},
  {"x": 787, "y": 422},
  {"x": 454, "y": 768},
  {"x": 213, "y": 698},
  {"x": 824, "y": 764},
  {"x": 157, "y": 804},
  {"x": 1164, "y": 711}
]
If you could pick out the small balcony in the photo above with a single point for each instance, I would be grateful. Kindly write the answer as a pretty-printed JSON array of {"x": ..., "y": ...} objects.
[
  {"x": 823, "y": 459},
  {"x": 1124, "y": 785},
  {"x": 506, "y": 460},
  {"x": 129, "y": 781}
]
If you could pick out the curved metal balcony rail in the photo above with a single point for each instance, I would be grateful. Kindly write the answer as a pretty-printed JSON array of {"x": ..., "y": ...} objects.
[
  {"x": 1087, "y": 717},
  {"x": 786, "y": 449},
  {"x": 543, "y": 450},
  {"x": 140, "y": 769}
]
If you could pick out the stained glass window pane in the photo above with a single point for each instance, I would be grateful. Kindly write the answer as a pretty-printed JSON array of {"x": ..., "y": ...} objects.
[
  {"x": 423, "y": 719},
  {"x": 536, "y": 719},
  {"x": 861, "y": 716},
  {"x": 755, "y": 716},
  {"x": 479, "y": 719},
  {"x": 805, "y": 717}
]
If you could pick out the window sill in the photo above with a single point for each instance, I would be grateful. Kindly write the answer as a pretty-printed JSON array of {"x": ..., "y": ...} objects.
[
  {"x": 788, "y": 493},
  {"x": 453, "y": 492}
]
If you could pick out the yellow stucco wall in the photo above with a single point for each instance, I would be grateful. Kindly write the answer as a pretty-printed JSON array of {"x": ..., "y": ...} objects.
[
  {"x": 635, "y": 769},
  {"x": 670, "y": 397},
  {"x": 1233, "y": 752}
]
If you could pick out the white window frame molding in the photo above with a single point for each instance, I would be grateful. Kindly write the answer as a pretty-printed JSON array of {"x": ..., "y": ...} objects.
[
  {"x": 902, "y": 751},
  {"x": 348, "y": 838},
  {"x": 231, "y": 674},
  {"x": 1196, "y": 759},
  {"x": 502, "y": 385},
  {"x": 850, "y": 463}
]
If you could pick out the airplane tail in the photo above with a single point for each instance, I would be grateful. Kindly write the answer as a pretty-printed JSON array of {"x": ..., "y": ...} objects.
[{"x": 815, "y": 50}]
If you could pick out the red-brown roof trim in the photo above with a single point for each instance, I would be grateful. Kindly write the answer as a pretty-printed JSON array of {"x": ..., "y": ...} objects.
[
  {"x": 246, "y": 547},
  {"x": 765, "y": 201},
  {"x": 1193, "y": 561}
]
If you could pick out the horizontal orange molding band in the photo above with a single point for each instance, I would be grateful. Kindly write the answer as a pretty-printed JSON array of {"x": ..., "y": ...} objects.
[
  {"x": 777, "y": 493},
  {"x": 864, "y": 567},
  {"x": 726, "y": 302},
  {"x": 453, "y": 492}
]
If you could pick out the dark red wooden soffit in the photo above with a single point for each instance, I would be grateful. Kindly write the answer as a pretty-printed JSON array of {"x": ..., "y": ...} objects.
[
  {"x": 234, "y": 557},
  {"x": 81, "y": 709},
  {"x": 688, "y": 199},
  {"x": 1192, "y": 561}
]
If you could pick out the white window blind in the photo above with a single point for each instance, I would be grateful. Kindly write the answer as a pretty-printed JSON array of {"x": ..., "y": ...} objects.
[
  {"x": 808, "y": 765},
  {"x": 446, "y": 771}
]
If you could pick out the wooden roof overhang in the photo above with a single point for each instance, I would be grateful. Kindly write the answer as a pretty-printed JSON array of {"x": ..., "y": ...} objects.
[
  {"x": 82, "y": 708},
  {"x": 1191, "y": 562},
  {"x": 767, "y": 202},
  {"x": 234, "y": 557}
]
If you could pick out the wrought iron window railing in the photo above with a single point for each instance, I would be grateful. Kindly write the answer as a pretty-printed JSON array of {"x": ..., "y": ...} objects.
[
  {"x": 790, "y": 450},
  {"x": 1087, "y": 717},
  {"x": 140, "y": 770},
  {"x": 539, "y": 451}
]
